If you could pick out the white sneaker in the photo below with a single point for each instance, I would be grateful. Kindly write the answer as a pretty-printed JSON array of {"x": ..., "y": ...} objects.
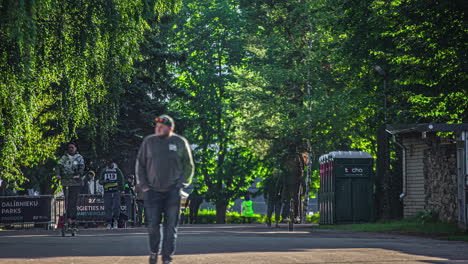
[
  {"x": 116, "y": 225},
  {"x": 109, "y": 227}
]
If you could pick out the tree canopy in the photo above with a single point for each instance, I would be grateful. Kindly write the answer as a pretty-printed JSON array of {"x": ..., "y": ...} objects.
[
  {"x": 248, "y": 82},
  {"x": 62, "y": 66}
]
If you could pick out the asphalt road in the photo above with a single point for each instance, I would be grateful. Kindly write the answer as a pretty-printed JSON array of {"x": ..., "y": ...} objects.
[{"x": 220, "y": 244}]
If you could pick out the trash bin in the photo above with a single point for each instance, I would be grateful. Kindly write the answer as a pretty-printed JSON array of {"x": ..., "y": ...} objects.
[{"x": 346, "y": 184}]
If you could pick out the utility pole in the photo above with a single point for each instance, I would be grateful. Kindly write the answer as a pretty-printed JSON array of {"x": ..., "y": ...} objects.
[{"x": 383, "y": 73}]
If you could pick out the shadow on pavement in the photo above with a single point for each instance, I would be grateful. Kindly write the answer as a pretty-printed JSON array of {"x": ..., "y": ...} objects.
[{"x": 217, "y": 239}]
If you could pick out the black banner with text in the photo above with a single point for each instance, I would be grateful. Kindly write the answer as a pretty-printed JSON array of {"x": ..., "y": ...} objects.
[
  {"x": 90, "y": 208},
  {"x": 25, "y": 209}
]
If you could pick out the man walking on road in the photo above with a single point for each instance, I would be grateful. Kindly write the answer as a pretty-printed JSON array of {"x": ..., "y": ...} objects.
[{"x": 164, "y": 166}]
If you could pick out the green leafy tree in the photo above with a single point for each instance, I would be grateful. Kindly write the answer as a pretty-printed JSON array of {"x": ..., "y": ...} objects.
[
  {"x": 209, "y": 33},
  {"x": 311, "y": 72},
  {"x": 143, "y": 98},
  {"x": 60, "y": 62}
]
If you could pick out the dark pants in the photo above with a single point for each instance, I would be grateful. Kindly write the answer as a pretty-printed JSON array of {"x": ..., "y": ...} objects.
[
  {"x": 129, "y": 205},
  {"x": 165, "y": 205},
  {"x": 112, "y": 206},
  {"x": 286, "y": 208},
  {"x": 71, "y": 199},
  {"x": 273, "y": 206},
  {"x": 194, "y": 213}
]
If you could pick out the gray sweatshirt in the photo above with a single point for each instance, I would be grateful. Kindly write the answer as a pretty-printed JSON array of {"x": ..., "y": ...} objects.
[{"x": 163, "y": 164}]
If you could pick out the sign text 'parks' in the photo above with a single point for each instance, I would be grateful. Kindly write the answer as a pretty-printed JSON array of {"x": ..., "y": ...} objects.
[{"x": 19, "y": 209}]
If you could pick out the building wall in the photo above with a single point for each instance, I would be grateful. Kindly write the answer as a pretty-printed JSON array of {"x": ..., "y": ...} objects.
[
  {"x": 440, "y": 171},
  {"x": 414, "y": 201},
  {"x": 431, "y": 183}
]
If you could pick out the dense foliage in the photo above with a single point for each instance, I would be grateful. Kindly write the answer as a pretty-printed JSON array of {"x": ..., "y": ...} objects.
[
  {"x": 210, "y": 34},
  {"x": 249, "y": 82},
  {"x": 62, "y": 66}
]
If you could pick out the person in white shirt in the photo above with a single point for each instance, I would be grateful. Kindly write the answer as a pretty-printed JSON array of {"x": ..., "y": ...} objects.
[{"x": 93, "y": 184}]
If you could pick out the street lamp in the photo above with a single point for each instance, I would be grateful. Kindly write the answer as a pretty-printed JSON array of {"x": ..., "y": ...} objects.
[{"x": 382, "y": 72}]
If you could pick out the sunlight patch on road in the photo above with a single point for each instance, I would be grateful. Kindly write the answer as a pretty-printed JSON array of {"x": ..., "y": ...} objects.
[{"x": 298, "y": 256}]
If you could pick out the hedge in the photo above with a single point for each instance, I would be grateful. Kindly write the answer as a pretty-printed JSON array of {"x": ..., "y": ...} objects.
[{"x": 207, "y": 216}]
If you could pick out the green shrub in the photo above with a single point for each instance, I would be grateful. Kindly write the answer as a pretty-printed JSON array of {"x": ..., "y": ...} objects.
[
  {"x": 313, "y": 219},
  {"x": 207, "y": 216},
  {"x": 236, "y": 218},
  {"x": 427, "y": 217}
]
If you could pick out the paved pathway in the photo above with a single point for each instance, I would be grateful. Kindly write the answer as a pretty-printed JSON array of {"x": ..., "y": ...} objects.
[{"x": 226, "y": 244}]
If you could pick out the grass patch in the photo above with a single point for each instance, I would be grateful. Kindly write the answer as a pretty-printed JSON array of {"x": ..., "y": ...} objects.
[
  {"x": 455, "y": 238},
  {"x": 412, "y": 226}
]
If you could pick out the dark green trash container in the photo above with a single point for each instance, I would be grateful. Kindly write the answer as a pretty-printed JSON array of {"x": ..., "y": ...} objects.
[{"x": 346, "y": 184}]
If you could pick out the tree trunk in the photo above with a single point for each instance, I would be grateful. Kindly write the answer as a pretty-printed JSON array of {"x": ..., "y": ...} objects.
[
  {"x": 221, "y": 208},
  {"x": 382, "y": 208}
]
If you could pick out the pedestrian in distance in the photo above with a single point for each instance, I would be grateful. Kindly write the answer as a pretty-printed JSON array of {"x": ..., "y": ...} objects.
[
  {"x": 272, "y": 191},
  {"x": 129, "y": 198},
  {"x": 91, "y": 186},
  {"x": 113, "y": 181},
  {"x": 140, "y": 205},
  {"x": 130, "y": 185},
  {"x": 94, "y": 188},
  {"x": 247, "y": 211},
  {"x": 164, "y": 166},
  {"x": 194, "y": 201},
  {"x": 69, "y": 169}
]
